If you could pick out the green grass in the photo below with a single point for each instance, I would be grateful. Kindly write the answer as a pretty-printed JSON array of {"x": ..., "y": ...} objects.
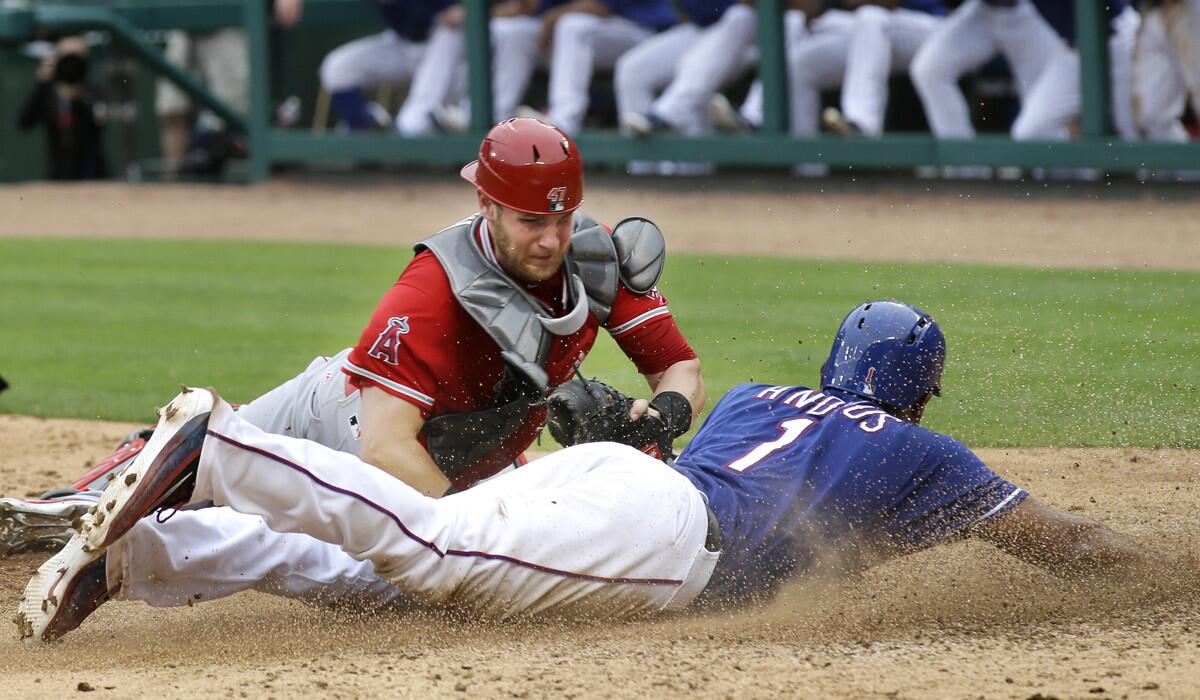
[{"x": 1036, "y": 357}]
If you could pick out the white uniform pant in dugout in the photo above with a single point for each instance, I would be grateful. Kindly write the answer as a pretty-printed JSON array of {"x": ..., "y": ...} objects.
[
  {"x": 1166, "y": 68},
  {"x": 598, "y": 529}
]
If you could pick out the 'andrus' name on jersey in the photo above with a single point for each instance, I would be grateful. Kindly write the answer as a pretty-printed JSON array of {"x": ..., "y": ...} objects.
[{"x": 814, "y": 403}]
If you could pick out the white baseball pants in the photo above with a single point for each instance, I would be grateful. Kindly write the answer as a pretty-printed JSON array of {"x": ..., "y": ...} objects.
[
  {"x": 599, "y": 529},
  {"x": 441, "y": 77},
  {"x": 221, "y": 59},
  {"x": 381, "y": 59},
  {"x": 583, "y": 42},
  {"x": 723, "y": 51},
  {"x": 514, "y": 58},
  {"x": 649, "y": 67},
  {"x": 1040, "y": 60},
  {"x": 817, "y": 62},
  {"x": 1166, "y": 69},
  {"x": 858, "y": 51},
  {"x": 316, "y": 404},
  {"x": 797, "y": 34},
  {"x": 881, "y": 42}
]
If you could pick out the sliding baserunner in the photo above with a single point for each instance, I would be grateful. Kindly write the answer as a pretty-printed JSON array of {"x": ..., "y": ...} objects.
[{"x": 777, "y": 475}]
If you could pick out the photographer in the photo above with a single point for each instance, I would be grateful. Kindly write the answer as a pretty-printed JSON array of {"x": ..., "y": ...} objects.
[{"x": 64, "y": 103}]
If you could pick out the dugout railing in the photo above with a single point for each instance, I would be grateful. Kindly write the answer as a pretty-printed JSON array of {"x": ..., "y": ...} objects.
[{"x": 127, "y": 20}]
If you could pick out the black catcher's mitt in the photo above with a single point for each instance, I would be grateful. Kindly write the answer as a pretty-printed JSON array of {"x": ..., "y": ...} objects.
[{"x": 583, "y": 410}]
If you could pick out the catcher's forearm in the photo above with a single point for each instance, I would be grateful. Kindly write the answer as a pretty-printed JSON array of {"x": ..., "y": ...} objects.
[
  {"x": 682, "y": 377},
  {"x": 390, "y": 426},
  {"x": 408, "y": 461}
]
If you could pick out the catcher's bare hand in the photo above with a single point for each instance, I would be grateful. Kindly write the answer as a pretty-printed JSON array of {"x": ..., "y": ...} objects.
[{"x": 639, "y": 408}]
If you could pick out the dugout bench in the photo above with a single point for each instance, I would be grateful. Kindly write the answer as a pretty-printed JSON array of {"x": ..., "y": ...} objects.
[{"x": 127, "y": 20}]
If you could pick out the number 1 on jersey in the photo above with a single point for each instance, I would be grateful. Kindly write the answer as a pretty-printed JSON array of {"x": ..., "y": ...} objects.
[{"x": 792, "y": 430}]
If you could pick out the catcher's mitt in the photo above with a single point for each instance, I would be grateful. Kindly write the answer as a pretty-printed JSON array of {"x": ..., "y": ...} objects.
[{"x": 583, "y": 410}]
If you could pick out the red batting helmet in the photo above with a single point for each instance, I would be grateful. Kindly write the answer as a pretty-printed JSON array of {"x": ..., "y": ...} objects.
[{"x": 530, "y": 166}]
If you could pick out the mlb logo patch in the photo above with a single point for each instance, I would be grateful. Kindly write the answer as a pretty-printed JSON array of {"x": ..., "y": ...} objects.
[{"x": 557, "y": 198}]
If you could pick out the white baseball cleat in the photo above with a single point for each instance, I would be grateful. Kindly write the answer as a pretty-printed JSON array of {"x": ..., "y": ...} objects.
[
  {"x": 73, "y": 583},
  {"x": 162, "y": 476},
  {"x": 38, "y": 524},
  {"x": 63, "y": 592}
]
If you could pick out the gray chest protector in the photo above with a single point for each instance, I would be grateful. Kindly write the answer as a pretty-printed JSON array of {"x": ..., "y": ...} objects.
[{"x": 634, "y": 254}]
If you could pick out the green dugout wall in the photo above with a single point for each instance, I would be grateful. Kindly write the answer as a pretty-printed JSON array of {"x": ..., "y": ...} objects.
[{"x": 129, "y": 20}]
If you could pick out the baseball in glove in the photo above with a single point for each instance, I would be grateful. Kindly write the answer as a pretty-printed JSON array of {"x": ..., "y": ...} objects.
[{"x": 583, "y": 410}]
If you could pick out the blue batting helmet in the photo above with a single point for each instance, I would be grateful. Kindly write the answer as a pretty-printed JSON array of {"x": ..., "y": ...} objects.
[{"x": 889, "y": 352}]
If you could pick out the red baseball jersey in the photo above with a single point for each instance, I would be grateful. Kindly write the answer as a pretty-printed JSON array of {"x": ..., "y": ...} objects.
[{"x": 423, "y": 347}]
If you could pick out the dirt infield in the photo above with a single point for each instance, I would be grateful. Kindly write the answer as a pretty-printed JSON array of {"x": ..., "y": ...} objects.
[{"x": 959, "y": 621}]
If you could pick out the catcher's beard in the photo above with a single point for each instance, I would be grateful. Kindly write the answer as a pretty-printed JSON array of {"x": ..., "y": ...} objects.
[{"x": 516, "y": 260}]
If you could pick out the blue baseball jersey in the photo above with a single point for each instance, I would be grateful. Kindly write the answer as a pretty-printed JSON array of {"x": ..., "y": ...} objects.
[
  {"x": 703, "y": 13},
  {"x": 411, "y": 19},
  {"x": 655, "y": 14},
  {"x": 933, "y": 7},
  {"x": 792, "y": 472}
]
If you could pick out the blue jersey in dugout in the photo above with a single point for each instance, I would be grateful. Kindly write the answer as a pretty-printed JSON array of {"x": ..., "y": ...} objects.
[
  {"x": 792, "y": 472},
  {"x": 411, "y": 19}
]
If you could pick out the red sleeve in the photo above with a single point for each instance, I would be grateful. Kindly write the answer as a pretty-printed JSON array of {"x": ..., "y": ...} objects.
[
  {"x": 399, "y": 349},
  {"x": 644, "y": 328}
]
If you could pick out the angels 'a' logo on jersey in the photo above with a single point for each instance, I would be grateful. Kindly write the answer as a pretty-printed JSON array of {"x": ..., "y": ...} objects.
[
  {"x": 557, "y": 198},
  {"x": 387, "y": 345}
]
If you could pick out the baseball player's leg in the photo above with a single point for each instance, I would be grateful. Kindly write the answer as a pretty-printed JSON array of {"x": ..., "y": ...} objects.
[
  {"x": 1027, "y": 40},
  {"x": 514, "y": 58},
  {"x": 224, "y": 61},
  {"x": 169, "y": 99},
  {"x": 962, "y": 42},
  {"x": 883, "y": 42},
  {"x": 581, "y": 42},
  {"x": 1121, "y": 46},
  {"x": 1159, "y": 90},
  {"x": 1052, "y": 101},
  {"x": 639, "y": 75},
  {"x": 432, "y": 82},
  {"x": 868, "y": 65},
  {"x": 601, "y": 529},
  {"x": 317, "y": 404},
  {"x": 201, "y": 555},
  {"x": 614, "y": 37},
  {"x": 381, "y": 59},
  {"x": 1182, "y": 21},
  {"x": 714, "y": 59},
  {"x": 817, "y": 64},
  {"x": 172, "y": 105},
  {"x": 644, "y": 70},
  {"x": 751, "y": 108},
  {"x": 795, "y": 30}
]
